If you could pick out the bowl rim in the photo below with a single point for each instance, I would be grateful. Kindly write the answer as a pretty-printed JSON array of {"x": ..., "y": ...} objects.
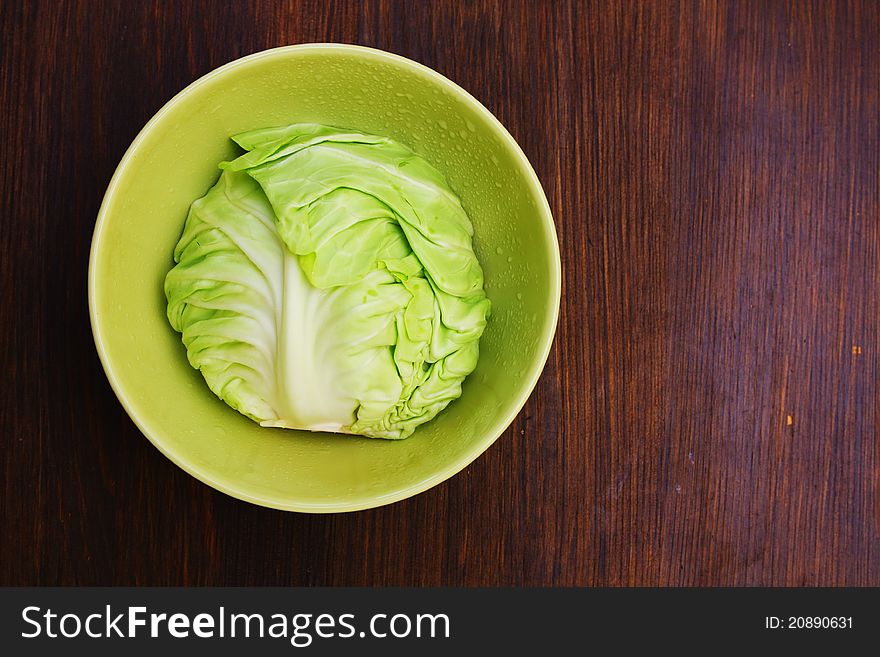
[{"x": 444, "y": 473}]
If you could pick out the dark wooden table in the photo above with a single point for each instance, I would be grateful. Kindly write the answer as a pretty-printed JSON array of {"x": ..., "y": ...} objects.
[{"x": 709, "y": 413}]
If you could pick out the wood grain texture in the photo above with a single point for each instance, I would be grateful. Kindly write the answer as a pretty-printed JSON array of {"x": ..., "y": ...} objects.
[{"x": 709, "y": 413}]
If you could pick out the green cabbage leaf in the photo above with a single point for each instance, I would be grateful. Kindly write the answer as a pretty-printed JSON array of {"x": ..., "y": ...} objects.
[{"x": 328, "y": 282}]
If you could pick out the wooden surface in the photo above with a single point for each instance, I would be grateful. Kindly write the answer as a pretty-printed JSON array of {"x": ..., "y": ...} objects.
[{"x": 709, "y": 412}]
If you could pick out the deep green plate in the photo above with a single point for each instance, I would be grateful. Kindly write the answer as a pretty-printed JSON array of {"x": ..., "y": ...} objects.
[{"x": 174, "y": 160}]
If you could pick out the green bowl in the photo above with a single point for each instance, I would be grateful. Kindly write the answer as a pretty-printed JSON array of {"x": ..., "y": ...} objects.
[{"x": 173, "y": 161}]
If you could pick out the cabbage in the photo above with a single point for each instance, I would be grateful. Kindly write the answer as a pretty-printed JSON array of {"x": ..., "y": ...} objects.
[{"x": 328, "y": 282}]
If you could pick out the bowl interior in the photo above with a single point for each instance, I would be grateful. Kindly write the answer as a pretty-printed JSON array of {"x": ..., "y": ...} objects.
[{"x": 174, "y": 161}]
